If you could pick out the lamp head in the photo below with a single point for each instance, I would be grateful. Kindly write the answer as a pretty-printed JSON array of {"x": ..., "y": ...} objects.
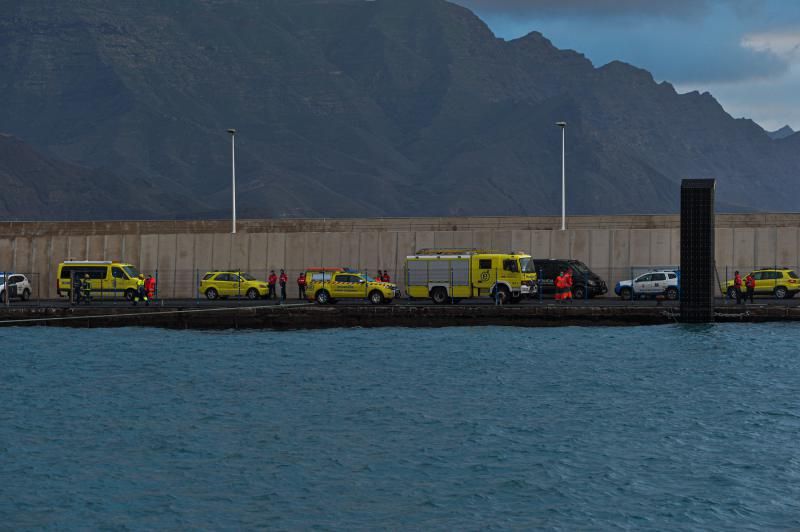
[
  {"x": 232, "y": 131},
  {"x": 561, "y": 124}
]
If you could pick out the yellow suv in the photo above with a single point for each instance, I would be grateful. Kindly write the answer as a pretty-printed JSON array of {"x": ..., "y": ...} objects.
[
  {"x": 781, "y": 283},
  {"x": 349, "y": 285},
  {"x": 225, "y": 284}
]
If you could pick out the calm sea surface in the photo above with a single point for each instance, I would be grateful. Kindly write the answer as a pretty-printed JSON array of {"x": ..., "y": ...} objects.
[{"x": 666, "y": 428}]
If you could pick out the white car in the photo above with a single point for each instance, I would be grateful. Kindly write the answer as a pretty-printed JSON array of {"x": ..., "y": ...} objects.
[
  {"x": 17, "y": 285},
  {"x": 651, "y": 284}
]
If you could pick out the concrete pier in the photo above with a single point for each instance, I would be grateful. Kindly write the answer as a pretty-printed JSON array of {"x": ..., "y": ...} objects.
[{"x": 311, "y": 316}]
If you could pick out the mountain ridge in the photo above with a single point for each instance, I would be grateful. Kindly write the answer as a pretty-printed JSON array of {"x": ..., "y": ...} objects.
[{"x": 362, "y": 109}]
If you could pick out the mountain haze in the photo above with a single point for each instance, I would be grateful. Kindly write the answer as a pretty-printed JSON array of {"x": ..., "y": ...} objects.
[{"x": 354, "y": 108}]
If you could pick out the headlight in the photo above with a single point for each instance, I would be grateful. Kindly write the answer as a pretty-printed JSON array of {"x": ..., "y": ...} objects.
[
  {"x": 592, "y": 283},
  {"x": 262, "y": 286}
]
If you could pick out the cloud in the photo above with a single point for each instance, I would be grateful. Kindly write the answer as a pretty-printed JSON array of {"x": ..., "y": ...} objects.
[
  {"x": 712, "y": 46},
  {"x": 745, "y": 52},
  {"x": 785, "y": 44},
  {"x": 770, "y": 102},
  {"x": 588, "y": 8}
]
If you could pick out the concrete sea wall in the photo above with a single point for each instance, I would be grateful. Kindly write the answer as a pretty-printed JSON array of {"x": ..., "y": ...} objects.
[{"x": 610, "y": 245}]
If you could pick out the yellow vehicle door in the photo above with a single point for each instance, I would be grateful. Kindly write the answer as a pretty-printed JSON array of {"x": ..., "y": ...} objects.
[
  {"x": 510, "y": 272},
  {"x": 768, "y": 282},
  {"x": 224, "y": 284},
  {"x": 761, "y": 284},
  {"x": 346, "y": 285},
  {"x": 118, "y": 282},
  {"x": 238, "y": 287},
  {"x": 485, "y": 274}
]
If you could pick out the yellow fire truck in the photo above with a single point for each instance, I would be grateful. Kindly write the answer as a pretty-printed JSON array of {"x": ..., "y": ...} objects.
[{"x": 448, "y": 275}]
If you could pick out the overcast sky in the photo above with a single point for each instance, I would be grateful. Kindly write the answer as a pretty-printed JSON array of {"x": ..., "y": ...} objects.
[{"x": 744, "y": 52}]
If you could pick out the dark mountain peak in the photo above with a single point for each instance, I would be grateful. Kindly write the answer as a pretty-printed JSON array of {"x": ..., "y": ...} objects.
[
  {"x": 536, "y": 49},
  {"x": 533, "y": 38},
  {"x": 623, "y": 70},
  {"x": 781, "y": 133}
]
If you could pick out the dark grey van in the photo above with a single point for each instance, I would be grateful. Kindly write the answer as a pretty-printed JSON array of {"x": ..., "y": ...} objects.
[{"x": 585, "y": 283}]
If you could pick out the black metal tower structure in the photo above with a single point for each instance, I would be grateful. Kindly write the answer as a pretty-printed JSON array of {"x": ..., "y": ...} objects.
[{"x": 697, "y": 250}]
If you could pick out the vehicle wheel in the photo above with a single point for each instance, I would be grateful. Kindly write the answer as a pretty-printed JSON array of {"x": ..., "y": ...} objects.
[
  {"x": 625, "y": 293},
  {"x": 26, "y": 294},
  {"x": 323, "y": 297},
  {"x": 375, "y": 297},
  {"x": 252, "y": 294},
  {"x": 439, "y": 295},
  {"x": 534, "y": 291},
  {"x": 130, "y": 294},
  {"x": 781, "y": 292},
  {"x": 212, "y": 294},
  {"x": 672, "y": 293},
  {"x": 578, "y": 292},
  {"x": 731, "y": 293}
]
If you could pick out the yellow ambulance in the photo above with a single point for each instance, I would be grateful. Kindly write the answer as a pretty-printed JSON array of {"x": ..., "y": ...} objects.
[{"x": 448, "y": 275}]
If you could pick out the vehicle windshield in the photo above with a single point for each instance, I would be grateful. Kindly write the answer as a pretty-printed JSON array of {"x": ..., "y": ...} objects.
[
  {"x": 248, "y": 277},
  {"x": 526, "y": 265},
  {"x": 131, "y": 271},
  {"x": 581, "y": 267},
  {"x": 792, "y": 275},
  {"x": 2, "y": 279}
]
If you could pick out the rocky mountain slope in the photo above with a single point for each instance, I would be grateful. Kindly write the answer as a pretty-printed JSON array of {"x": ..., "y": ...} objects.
[
  {"x": 354, "y": 108},
  {"x": 57, "y": 190}
]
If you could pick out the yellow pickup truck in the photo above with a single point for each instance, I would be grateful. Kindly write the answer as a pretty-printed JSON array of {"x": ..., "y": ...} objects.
[{"x": 350, "y": 285}]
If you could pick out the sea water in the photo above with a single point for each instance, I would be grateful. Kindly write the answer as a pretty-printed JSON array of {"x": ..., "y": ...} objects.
[{"x": 672, "y": 427}]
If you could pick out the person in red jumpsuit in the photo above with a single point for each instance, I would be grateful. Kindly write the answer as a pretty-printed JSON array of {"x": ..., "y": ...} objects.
[
  {"x": 150, "y": 287},
  {"x": 272, "y": 280}
]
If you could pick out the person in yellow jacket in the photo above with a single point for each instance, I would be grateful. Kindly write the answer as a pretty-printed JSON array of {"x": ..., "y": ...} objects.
[
  {"x": 86, "y": 289},
  {"x": 141, "y": 293}
]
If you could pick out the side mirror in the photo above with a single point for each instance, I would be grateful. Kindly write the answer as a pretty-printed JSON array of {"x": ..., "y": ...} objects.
[{"x": 361, "y": 281}]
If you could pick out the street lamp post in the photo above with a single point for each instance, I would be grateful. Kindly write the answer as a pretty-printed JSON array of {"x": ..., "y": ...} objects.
[
  {"x": 563, "y": 126},
  {"x": 233, "y": 174}
]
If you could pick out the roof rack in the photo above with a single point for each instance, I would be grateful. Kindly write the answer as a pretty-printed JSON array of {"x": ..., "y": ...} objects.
[
  {"x": 452, "y": 251},
  {"x": 87, "y": 262}
]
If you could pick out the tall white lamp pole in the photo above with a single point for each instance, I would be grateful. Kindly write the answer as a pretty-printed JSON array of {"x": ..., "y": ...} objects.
[
  {"x": 233, "y": 174},
  {"x": 563, "y": 126}
]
